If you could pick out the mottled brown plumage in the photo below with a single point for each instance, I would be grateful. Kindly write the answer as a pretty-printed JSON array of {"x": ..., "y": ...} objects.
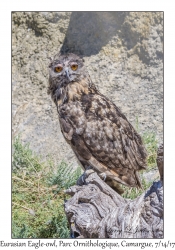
[{"x": 99, "y": 134}]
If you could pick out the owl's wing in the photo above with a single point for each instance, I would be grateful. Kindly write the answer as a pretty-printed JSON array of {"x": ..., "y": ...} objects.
[
  {"x": 102, "y": 137},
  {"x": 113, "y": 140}
]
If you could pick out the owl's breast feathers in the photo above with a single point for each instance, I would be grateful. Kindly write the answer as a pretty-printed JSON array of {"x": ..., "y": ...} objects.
[{"x": 101, "y": 136}]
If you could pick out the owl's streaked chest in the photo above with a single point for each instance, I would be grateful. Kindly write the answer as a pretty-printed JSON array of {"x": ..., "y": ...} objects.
[
  {"x": 73, "y": 114},
  {"x": 86, "y": 113}
]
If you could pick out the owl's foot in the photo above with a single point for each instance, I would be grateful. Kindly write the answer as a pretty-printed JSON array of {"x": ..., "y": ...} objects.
[
  {"x": 112, "y": 183},
  {"x": 88, "y": 172},
  {"x": 103, "y": 176},
  {"x": 81, "y": 180}
]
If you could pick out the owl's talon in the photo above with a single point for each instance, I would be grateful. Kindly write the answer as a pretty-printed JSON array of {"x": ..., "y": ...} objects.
[
  {"x": 103, "y": 176},
  {"x": 88, "y": 172}
]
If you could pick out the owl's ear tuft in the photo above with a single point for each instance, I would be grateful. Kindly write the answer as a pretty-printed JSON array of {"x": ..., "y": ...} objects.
[{"x": 81, "y": 58}]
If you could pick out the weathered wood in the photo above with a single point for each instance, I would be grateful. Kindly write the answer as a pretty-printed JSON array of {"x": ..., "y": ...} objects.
[{"x": 97, "y": 211}]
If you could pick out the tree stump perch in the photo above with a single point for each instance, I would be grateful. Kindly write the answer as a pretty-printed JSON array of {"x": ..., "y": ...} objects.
[{"x": 95, "y": 210}]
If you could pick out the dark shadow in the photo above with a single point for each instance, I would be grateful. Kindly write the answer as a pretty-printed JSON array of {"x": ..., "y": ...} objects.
[{"x": 88, "y": 32}]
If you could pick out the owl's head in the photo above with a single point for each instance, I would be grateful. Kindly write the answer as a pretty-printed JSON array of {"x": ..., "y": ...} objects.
[
  {"x": 64, "y": 69},
  {"x": 67, "y": 77}
]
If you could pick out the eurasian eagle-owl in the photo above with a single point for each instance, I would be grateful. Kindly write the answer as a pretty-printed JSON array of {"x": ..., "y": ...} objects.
[{"x": 98, "y": 132}]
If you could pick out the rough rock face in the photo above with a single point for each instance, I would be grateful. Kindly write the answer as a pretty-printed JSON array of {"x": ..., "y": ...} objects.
[{"x": 124, "y": 55}]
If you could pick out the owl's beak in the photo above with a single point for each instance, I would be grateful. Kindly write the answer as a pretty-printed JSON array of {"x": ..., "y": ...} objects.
[{"x": 67, "y": 74}]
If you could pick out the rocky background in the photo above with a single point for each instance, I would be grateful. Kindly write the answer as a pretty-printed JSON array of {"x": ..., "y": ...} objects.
[{"x": 124, "y": 55}]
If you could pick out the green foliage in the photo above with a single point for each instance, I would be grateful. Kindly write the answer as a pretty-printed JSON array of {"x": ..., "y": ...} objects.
[
  {"x": 150, "y": 142},
  {"x": 23, "y": 157},
  {"x": 59, "y": 177},
  {"x": 132, "y": 193},
  {"x": 38, "y": 195}
]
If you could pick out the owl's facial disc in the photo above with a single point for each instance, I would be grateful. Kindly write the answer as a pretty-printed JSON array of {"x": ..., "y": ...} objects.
[
  {"x": 70, "y": 70},
  {"x": 67, "y": 70}
]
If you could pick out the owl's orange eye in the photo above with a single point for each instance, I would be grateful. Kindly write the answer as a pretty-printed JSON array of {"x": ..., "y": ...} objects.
[
  {"x": 74, "y": 67},
  {"x": 58, "y": 69}
]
